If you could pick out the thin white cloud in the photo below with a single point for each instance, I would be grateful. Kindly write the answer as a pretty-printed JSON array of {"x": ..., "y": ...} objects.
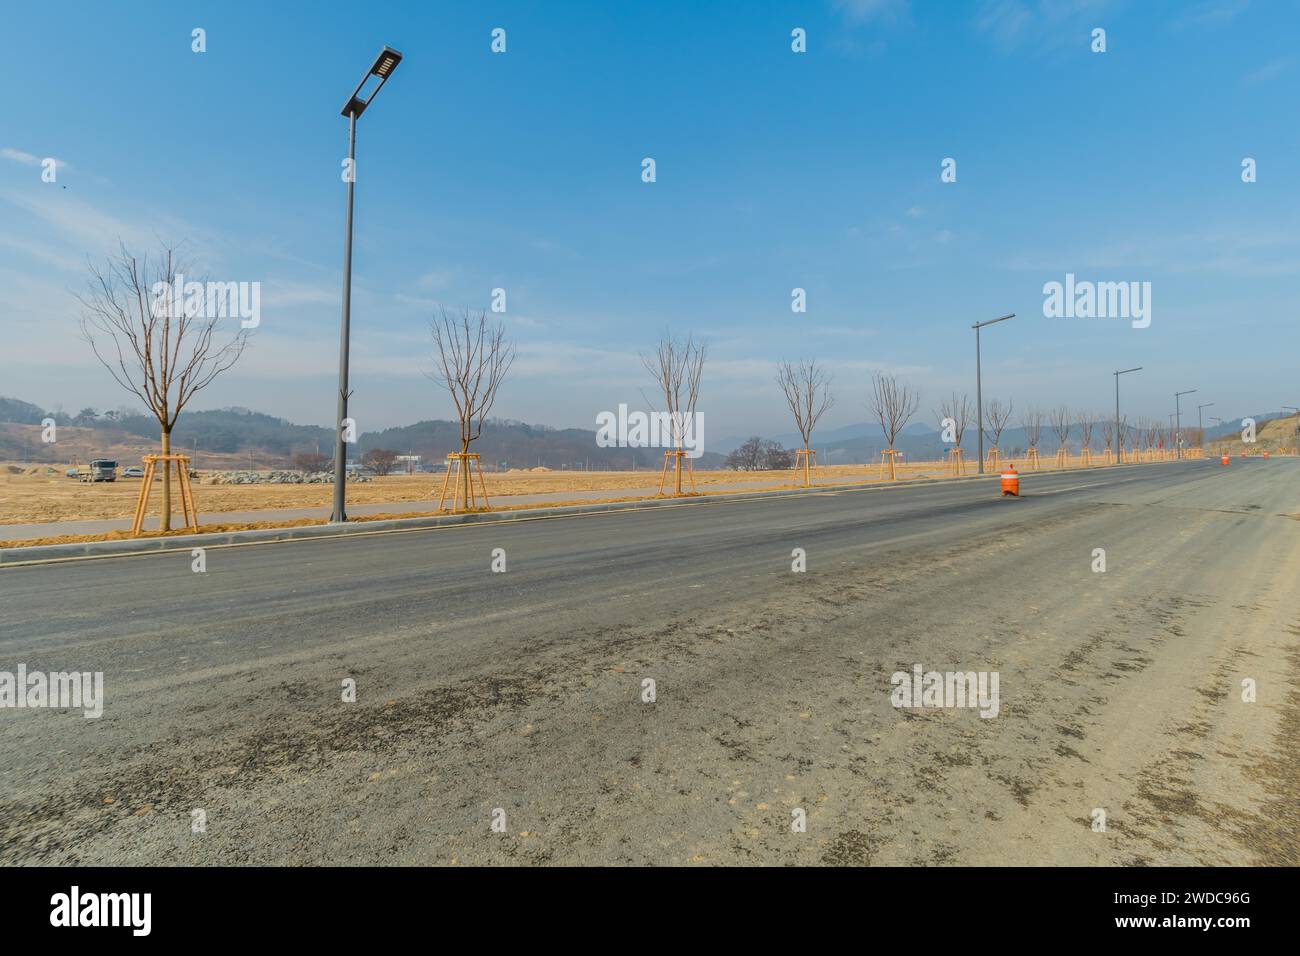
[
  {"x": 1248, "y": 254},
  {"x": 1211, "y": 13},
  {"x": 849, "y": 331},
  {"x": 563, "y": 360},
  {"x": 1048, "y": 24},
  {"x": 860, "y": 11},
  {"x": 28, "y": 159},
  {"x": 42, "y": 252},
  {"x": 437, "y": 279},
  {"x": 278, "y": 293},
  {"x": 1269, "y": 71},
  {"x": 1005, "y": 21},
  {"x": 416, "y": 301},
  {"x": 72, "y": 218}
]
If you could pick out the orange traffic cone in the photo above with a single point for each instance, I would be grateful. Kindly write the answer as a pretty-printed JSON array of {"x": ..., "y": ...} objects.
[{"x": 1011, "y": 482}]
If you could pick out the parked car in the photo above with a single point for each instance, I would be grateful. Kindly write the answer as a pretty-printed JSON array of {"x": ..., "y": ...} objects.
[
  {"x": 135, "y": 471},
  {"x": 72, "y": 473}
]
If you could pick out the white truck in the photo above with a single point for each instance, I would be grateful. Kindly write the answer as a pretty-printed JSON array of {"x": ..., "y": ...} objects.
[{"x": 101, "y": 469}]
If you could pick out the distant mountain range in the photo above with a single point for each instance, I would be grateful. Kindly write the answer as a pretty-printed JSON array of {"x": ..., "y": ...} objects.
[
  {"x": 863, "y": 442},
  {"x": 230, "y": 434}
]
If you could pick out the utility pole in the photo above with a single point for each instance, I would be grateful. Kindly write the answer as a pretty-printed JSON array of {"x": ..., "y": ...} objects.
[
  {"x": 1200, "y": 424},
  {"x": 1119, "y": 434},
  {"x": 979, "y": 393},
  {"x": 1178, "y": 417}
]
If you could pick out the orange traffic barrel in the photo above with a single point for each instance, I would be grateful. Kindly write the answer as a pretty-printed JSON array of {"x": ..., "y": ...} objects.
[
  {"x": 1265, "y": 454},
  {"x": 1011, "y": 482},
  {"x": 1224, "y": 460}
]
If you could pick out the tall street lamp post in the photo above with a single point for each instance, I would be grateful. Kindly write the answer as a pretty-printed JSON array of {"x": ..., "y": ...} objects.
[
  {"x": 1200, "y": 425},
  {"x": 361, "y": 97},
  {"x": 1178, "y": 417},
  {"x": 979, "y": 393},
  {"x": 1119, "y": 434}
]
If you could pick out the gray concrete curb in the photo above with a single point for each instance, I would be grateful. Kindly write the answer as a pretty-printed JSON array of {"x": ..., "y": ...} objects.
[{"x": 54, "y": 553}]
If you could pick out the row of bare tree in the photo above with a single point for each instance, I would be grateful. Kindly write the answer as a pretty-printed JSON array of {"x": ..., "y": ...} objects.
[
  {"x": 1063, "y": 422},
  {"x": 806, "y": 386},
  {"x": 165, "y": 355},
  {"x": 165, "y": 350}
]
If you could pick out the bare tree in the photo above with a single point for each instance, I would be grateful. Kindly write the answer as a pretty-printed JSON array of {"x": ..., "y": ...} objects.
[
  {"x": 311, "y": 462},
  {"x": 162, "y": 354},
  {"x": 807, "y": 390},
  {"x": 759, "y": 454},
  {"x": 1031, "y": 422},
  {"x": 998, "y": 415},
  {"x": 380, "y": 460},
  {"x": 1062, "y": 421},
  {"x": 747, "y": 457},
  {"x": 1107, "y": 432},
  {"x": 1086, "y": 421},
  {"x": 960, "y": 411},
  {"x": 677, "y": 366},
  {"x": 776, "y": 458},
  {"x": 473, "y": 358},
  {"x": 894, "y": 403}
]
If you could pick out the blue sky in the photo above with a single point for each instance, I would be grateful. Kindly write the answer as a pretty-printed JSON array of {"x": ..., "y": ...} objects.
[{"x": 775, "y": 170}]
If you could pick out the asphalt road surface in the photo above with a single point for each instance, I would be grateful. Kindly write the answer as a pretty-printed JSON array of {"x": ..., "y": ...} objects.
[{"x": 1119, "y": 691}]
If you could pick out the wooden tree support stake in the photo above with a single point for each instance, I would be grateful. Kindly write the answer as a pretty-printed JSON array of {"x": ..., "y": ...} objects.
[
  {"x": 184, "y": 488},
  {"x": 809, "y": 458},
  {"x": 887, "y": 459},
  {"x": 675, "y": 456},
  {"x": 956, "y": 463},
  {"x": 464, "y": 460}
]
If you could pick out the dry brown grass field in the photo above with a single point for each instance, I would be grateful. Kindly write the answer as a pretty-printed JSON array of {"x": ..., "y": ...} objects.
[
  {"x": 40, "y": 493},
  {"x": 31, "y": 494}
]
